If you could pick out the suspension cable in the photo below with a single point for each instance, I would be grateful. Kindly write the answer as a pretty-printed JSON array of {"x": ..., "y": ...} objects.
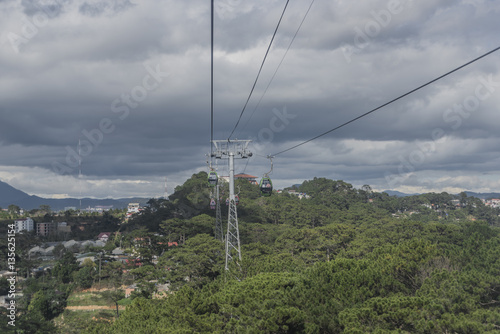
[
  {"x": 387, "y": 103},
  {"x": 260, "y": 70},
  {"x": 281, "y": 62},
  {"x": 212, "y": 80}
]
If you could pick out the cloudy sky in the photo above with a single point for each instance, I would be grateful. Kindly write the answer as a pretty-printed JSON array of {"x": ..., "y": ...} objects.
[{"x": 130, "y": 81}]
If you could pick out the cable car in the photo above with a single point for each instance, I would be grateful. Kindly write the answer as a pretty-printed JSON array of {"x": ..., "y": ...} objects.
[
  {"x": 212, "y": 204},
  {"x": 227, "y": 201},
  {"x": 212, "y": 178},
  {"x": 266, "y": 186},
  {"x": 236, "y": 199}
]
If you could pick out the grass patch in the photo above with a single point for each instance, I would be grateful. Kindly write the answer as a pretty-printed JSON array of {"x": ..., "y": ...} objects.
[
  {"x": 86, "y": 299},
  {"x": 125, "y": 302},
  {"x": 73, "y": 322}
]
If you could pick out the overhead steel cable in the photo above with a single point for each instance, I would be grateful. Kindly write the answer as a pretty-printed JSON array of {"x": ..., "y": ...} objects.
[
  {"x": 387, "y": 103},
  {"x": 260, "y": 70},
  {"x": 281, "y": 62},
  {"x": 212, "y": 79}
]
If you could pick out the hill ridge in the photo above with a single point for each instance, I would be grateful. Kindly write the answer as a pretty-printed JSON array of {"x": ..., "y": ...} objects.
[{"x": 12, "y": 196}]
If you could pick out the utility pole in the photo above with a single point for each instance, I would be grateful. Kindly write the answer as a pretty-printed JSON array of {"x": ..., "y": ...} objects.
[{"x": 232, "y": 149}]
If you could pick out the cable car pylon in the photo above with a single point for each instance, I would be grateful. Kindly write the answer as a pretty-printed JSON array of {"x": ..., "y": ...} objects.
[
  {"x": 232, "y": 149},
  {"x": 213, "y": 182}
]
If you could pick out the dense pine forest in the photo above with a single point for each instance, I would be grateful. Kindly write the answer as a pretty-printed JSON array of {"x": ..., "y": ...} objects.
[{"x": 340, "y": 260}]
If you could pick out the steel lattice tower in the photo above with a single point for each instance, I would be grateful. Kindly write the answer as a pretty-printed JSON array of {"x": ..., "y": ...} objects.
[
  {"x": 219, "y": 230},
  {"x": 233, "y": 233},
  {"x": 232, "y": 149}
]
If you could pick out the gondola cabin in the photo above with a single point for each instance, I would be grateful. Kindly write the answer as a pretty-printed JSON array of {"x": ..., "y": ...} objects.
[
  {"x": 236, "y": 200},
  {"x": 212, "y": 178},
  {"x": 266, "y": 186},
  {"x": 212, "y": 204}
]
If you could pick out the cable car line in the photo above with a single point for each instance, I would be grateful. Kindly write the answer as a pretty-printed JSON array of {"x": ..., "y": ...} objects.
[
  {"x": 281, "y": 62},
  {"x": 387, "y": 103},
  {"x": 212, "y": 80},
  {"x": 260, "y": 70},
  {"x": 212, "y": 178},
  {"x": 246, "y": 165}
]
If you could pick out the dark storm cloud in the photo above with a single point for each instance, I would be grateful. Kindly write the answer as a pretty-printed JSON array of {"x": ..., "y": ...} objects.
[
  {"x": 53, "y": 8},
  {"x": 130, "y": 81}
]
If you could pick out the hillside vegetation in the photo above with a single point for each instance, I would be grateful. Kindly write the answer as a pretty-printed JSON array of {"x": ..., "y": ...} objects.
[{"x": 342, "y": 261}]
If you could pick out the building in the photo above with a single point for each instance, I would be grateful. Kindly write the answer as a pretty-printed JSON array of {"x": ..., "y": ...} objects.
[
  {"x": 98, "y": 208},
  {"x": 250, "y": 178},
  {"x": 7, "y": 274},
  {"x": 494, "y": 202},
  {"x": 142, "y": 242},
  {"x": 44, "y": 229},
  {"x": 298, "y": 194},
  {"x": 103, "y": 208},
  {"x": 133, "y": 208},
  {"x": 25, "y": 224},
  {"x": 63, "y": 227},
  {"x": 104, "y": 236}
]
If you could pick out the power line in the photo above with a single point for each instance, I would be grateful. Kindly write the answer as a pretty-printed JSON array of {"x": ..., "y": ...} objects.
[
  {"x": 281, "y": 62},
  {"x": 261, "y": 66},
  {"x": 392, "y": 101}
]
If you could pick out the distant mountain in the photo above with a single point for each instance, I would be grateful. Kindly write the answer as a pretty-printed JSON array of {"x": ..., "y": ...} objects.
[
  {"x": 10, "y": 195},
  {"x": 397, "y": 193},
  {"x": 482, "y": 195},
  {"x": 468, "y": 193}
]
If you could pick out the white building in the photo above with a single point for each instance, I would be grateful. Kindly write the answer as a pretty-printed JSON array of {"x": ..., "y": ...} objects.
[
  {"x": 25, "y": 224},
  {"x": 494, "y": 202},
  {"x": 133, "y": 208}
]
